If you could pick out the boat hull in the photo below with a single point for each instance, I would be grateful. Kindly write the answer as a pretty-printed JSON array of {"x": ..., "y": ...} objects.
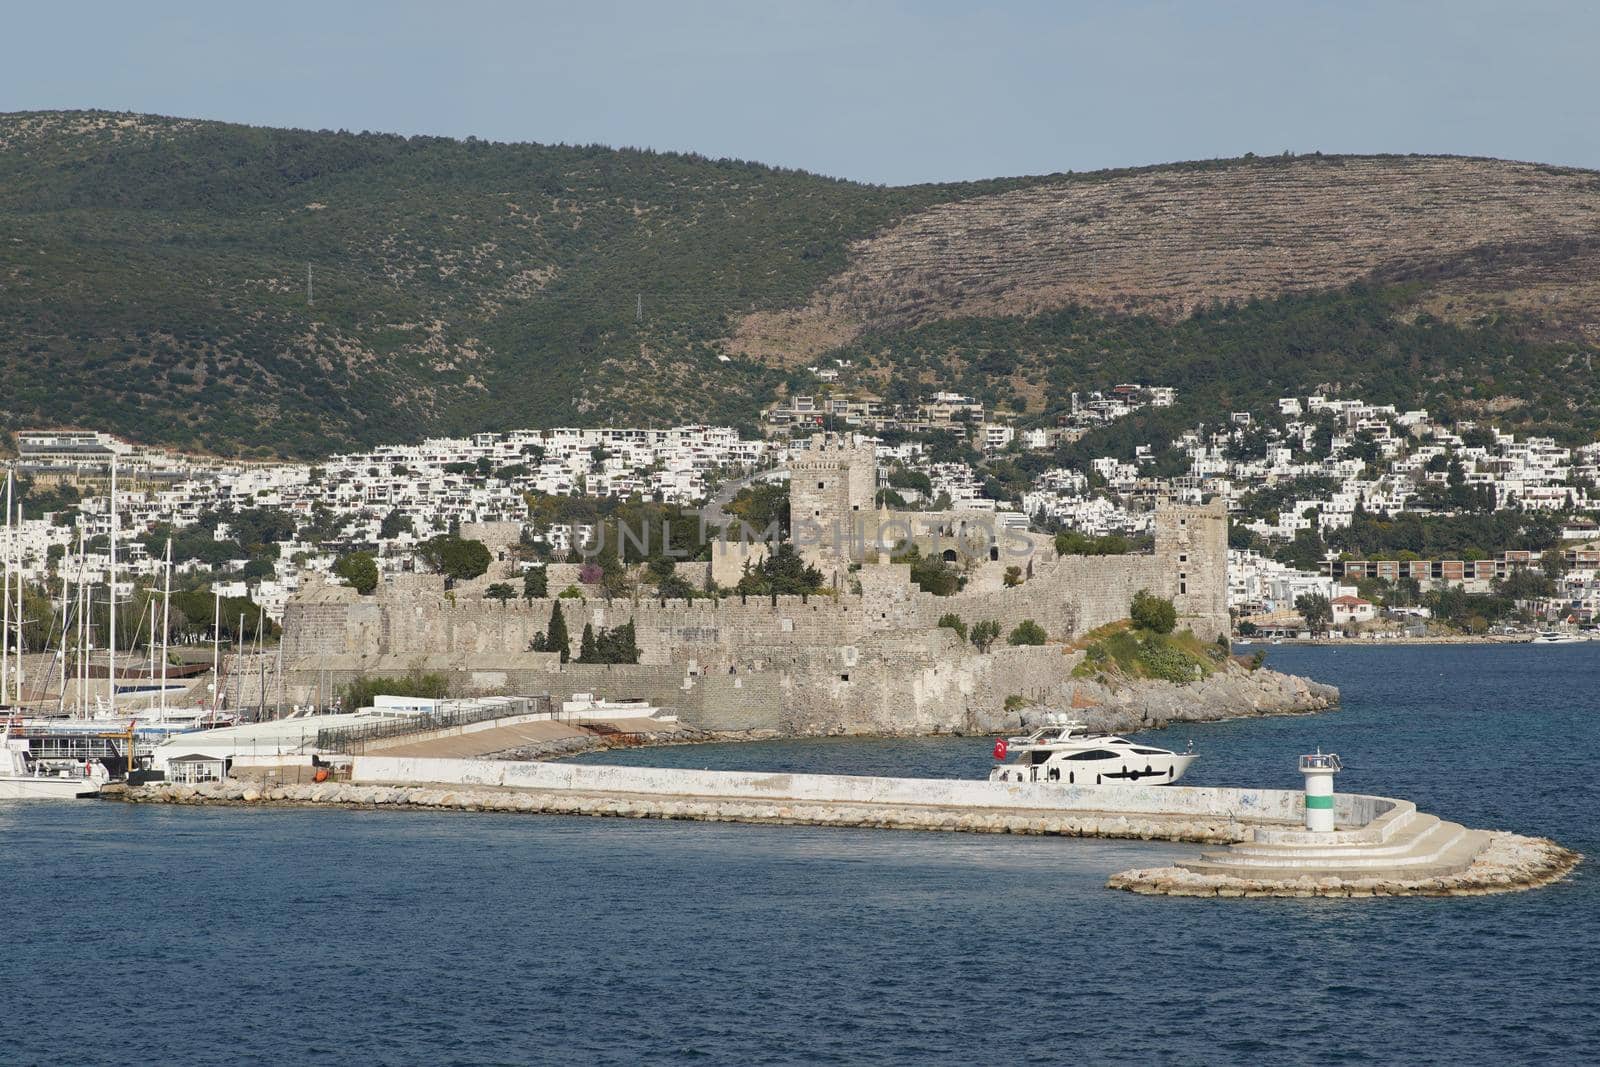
[
  {"x": 1129, "y": 770},
  {"x": 43, "y": 787}
]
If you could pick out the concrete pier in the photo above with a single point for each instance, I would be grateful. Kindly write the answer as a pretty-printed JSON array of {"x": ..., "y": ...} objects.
[{"x": 1381, "y": 846}]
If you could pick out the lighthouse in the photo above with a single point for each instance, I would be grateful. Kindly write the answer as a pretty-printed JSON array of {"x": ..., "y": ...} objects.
[{"x": 1319, "y": 770}]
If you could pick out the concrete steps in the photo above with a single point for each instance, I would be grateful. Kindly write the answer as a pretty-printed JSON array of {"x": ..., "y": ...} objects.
[
  {"x": 1401, "y": 842},
  {"x": 1423, "y": 846}
]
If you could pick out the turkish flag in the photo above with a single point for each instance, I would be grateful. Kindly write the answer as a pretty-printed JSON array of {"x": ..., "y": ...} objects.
[{"x": 1000, "y": 748}]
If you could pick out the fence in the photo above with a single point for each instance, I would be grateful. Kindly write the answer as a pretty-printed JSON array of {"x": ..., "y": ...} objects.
[{"x": 352, "y": 740}]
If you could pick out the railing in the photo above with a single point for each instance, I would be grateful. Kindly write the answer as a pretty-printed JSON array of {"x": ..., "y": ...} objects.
[{"x": 352, "y": 740}]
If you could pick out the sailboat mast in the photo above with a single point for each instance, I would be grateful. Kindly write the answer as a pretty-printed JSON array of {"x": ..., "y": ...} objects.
[
  {"x": 16, "y": 538},
  {"x": 166, "y": 621},
  {"x": 111, "y": 643},
  {"x": 216, "y": 656},
  {"x": 83, "y": 627},
  {"x": 66, "y": 618},
  {"x": 5, "y": 604},
  {"x": 238, "y": 667}
]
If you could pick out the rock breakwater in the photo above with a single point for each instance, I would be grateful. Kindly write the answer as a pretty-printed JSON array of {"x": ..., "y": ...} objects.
[
  {"x": 1509, "y": 863},
  {"x": 887, "y": 816}
]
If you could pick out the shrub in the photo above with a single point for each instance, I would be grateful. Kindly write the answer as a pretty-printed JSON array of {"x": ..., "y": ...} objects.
[
  {"x": 1152, "y": 613},
  {"x": 361, "y": 691},
  {"x": 1161, "y": 660},
  {"x": 984, "y": 634},
  {"x": 1013, "y": 577},
  {"x": 1027, "y": 632},
  {"x": 952, "y": 621},
  {"x": 501, "y": 591}
]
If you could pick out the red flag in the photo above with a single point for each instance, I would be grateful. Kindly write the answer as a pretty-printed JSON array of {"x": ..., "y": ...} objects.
[{"x": 1000, "y": 748}]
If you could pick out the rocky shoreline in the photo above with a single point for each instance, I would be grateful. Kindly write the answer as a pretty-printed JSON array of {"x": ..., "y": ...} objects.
[{"x": 1117, "y": 705}]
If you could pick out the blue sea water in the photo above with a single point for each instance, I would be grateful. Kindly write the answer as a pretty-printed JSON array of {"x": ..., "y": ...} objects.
[{"x": 176, "y": 936}]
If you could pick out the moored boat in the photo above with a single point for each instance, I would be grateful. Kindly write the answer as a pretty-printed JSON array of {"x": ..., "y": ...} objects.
[
  {"x": 1063, "y": 752},
  {"x": 22, "y": 778}
]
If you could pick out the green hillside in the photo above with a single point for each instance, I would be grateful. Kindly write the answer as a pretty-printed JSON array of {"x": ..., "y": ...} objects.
[{"x": 153, "y": 282}]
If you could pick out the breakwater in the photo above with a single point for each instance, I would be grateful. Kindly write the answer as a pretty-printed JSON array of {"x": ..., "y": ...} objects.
[{"x": 1384, "y": 846}]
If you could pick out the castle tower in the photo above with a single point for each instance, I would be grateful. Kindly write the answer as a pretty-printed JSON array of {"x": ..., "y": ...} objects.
[
  {"x": 1192, "y": 545},
  {"x": 833, "y": 483}
]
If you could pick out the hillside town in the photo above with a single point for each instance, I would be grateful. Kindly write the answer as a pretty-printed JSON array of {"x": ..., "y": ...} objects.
[{"x": 1311, "y": 489}]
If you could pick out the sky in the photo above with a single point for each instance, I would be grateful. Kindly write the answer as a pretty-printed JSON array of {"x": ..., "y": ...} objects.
[{"x": 874, "y": 90}]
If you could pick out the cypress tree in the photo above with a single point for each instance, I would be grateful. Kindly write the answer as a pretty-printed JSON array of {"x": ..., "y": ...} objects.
[
  {"x": 556, "y": 639},
  {"x": 587, "y": 651}
]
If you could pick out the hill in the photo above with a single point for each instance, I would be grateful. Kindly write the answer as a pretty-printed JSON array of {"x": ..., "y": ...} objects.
[{"x": 153, "y": 281}]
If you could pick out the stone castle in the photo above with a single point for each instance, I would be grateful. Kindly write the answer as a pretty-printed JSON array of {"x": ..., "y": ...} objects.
[{"x": 868, "y": 655}]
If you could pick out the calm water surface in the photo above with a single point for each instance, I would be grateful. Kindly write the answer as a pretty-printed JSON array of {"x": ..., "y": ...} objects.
[{"x": 227, "y": 936}]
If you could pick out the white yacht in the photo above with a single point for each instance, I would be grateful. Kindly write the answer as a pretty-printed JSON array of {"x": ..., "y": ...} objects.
[
  {"x": 24, "y": 779},
  {"x": 1556, "y": 637},
  {"x": 1063, "y": 752}
]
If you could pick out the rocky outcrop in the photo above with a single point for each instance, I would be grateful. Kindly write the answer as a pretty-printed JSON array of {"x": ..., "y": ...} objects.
[{"x": 1119, "y": 705}]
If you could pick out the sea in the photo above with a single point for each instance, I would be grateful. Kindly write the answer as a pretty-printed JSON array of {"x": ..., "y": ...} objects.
[{"x": 133, "y": 934}]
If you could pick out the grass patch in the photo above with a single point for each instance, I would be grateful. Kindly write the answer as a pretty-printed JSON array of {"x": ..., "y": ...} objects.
[{"x": 1120, "y": 650}]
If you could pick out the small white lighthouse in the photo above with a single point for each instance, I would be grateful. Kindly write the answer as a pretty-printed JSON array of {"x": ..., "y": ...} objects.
[{"x": 1319, "y": 770}]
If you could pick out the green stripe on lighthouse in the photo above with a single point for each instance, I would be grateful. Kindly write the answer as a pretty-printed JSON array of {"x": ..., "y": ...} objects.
[{"x": 1319, "y": 802}]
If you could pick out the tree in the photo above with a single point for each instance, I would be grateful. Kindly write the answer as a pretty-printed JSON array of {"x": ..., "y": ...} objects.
[
  {"x": 501, "y": 591},
  {"x": 1153, "y": 613},
  {"x": 931, "y": 574},
  {"x": 618, "y": 645},
  {"x": 358, "y": 569},
  {"x": 588, "y": 651},
  {"x": 556, "y": 638},
  {"x": 1315, "y": 609},
  {"x": 455, "y": 557},
  {"x": 1247, "y": 628},
  {"x": 1013, "y": 577},
  {"x": 984, "y": 634},
  {"x": 394, "y": 524},
  {"x": 535, "y": 583},
  {"x": 784, "y": 571},
  {"x": 952, "y": 621},
  {"x": 1027, "y": 632},
  {"x": 257, "y": 569}
]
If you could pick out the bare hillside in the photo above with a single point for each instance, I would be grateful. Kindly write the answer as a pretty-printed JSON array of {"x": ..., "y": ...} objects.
[{"x": 1164, "y": 240}]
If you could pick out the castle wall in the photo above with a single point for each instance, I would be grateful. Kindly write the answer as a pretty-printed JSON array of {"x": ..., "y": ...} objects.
[{"x": 871, "y": 658}]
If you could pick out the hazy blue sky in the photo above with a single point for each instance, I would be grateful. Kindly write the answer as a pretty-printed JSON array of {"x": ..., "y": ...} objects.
[{"x": 888, "y": 92}]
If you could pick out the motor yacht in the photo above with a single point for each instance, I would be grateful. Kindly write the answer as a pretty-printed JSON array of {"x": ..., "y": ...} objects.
[
  {"x": 22, "y": 778},
  {"x": 1556, "y": 637},
  {"x": 1063, "y": 752}
]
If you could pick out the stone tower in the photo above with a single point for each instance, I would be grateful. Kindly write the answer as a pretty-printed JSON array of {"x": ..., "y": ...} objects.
[
  {"x": 833, "y": 483},
  {"x": 1192, "y": 547}
]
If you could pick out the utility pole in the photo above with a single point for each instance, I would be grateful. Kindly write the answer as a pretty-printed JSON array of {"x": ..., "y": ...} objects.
[
  {"x": 638, "y": 309},
  {"x": 309, "y": 294}
]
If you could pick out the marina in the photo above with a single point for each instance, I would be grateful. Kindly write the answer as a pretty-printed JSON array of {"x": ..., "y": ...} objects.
[{"x": 765, "y": 928}]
